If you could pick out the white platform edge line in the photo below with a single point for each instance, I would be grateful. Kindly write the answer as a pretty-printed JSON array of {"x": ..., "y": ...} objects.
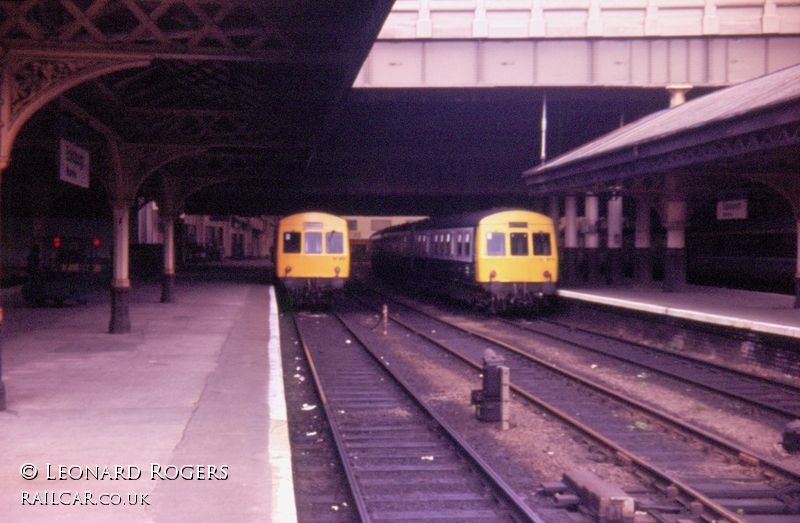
[
  {"x": 716, "y": 319},
  {"x": 280, "y": 455}
]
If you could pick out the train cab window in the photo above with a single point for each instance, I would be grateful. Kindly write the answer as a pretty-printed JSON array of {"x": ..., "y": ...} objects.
[
  {"x": 541, "y": 244},
  {"x": 495, "y": 243},
  {"x": 313, "y": 243},
  {"x": 519, "y": 244},
  {"x": 291, "y": 242},
  {"x": 334, "y": 242}
]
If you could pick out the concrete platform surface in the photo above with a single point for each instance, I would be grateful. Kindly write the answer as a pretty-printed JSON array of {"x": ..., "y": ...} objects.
[
  {"x": 756, "y": 311},
  {"x": 181, "y": 420}
]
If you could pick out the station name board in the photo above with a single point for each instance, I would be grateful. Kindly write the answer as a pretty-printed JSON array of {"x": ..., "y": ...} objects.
[
  {"x": 73, "y": 164},
  {"x": 732, "y": 205}
]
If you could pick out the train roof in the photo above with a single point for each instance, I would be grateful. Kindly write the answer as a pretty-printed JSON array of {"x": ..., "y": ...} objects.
[
  {"x": 310, "y": 215},
  {"x": 443, "y": 222}
]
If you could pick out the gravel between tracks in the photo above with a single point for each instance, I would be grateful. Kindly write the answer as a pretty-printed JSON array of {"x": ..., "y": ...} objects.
[
  {"x": 534, "y": 450},
  {"x": 728, "y": 418}
]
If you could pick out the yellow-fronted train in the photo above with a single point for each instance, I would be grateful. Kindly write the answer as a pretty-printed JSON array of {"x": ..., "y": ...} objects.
[
  {"x": 498, "y": 260},
  {"x": 312, "y": 257}
]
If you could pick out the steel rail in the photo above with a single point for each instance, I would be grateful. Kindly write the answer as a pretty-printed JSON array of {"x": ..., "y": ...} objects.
[
  {"x": 706, "y": 435},
  {"x": 742, "y": 454},
  {"x": 361, "y": 505},
  {"x": 484, "y": 467},
  {"x": 741, "y": 397}
]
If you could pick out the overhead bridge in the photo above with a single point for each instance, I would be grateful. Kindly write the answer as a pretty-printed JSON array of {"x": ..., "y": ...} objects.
[{"x": 589, "y": 43}]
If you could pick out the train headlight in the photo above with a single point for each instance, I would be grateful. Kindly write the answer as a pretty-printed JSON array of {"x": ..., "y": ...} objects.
[
  {"x": 493, "y": 274},
  {"x": 336, "y": 270},
  {"x": 287, "y": 270},
  {"x": 548, "y": 276}
]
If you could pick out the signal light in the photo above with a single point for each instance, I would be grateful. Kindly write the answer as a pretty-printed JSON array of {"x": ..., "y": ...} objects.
[
  {"x": 56, "y": 242},
  {"x": 96, "y": 242}
]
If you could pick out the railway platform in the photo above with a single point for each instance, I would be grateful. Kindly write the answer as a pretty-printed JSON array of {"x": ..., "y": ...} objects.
[
  {"x": 181, "y": 420},
  {"x": 760, "y": 312}
]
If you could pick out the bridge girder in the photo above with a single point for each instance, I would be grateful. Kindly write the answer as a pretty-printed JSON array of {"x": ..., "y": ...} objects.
[{"x": 577, "y": 62}]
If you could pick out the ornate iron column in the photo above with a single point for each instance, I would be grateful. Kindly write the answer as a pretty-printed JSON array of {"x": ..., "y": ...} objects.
[
  {"x": 121, "y": 284},
  {"x": 675, "y": 223},
  {"x": 797, "y": 274},
  {"x": 3, "y": 165},
  {"x": 644, "y": 258},
  {"x": 570, "y": 251},
  {"x": 615, "y": 239},
  {"x": 592, "y": 239},
  {"x": 168, "y": 281}
]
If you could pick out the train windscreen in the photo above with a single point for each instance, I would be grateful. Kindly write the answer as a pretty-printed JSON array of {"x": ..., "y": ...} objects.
[
  {"x": 541, "y": 244},
  {"x": 495, "y": 244},
  {"x": 291, "y": 242},
  {"x": 334, "y": 242},
  {"x": 519, "y": 244},
  {"x": 313, "y": 243}
]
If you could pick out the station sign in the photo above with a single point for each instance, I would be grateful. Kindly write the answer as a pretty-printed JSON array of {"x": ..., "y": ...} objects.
[
  {"x": 73, "y": 164},
  {"x": 732, "y": 205}
]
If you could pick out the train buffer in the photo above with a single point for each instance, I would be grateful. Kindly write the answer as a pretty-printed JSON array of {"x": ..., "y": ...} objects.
[{"x": 492, "y": 402}]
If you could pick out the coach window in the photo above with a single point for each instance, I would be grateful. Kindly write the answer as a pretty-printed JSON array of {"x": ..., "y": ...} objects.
[
  {"x": 541, "y": 244},
  {"x": 467, "y": 245},
  {"x": 448, "y": 245},
  {"x": 519, "y": 244},
  {"x": 334, "y": 242},
  {"x": 291, "y": 242},
  {"x": 460, "y": 245},
  {"x": 495, "y": 244},
  {"x": 313, "y": 242}
]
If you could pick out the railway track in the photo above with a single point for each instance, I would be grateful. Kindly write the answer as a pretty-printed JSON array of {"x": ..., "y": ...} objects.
[
  {"x": 769, "y": 395},
  {"x": 401, "y": 460},
  {"x": 728, "y": 481}
]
